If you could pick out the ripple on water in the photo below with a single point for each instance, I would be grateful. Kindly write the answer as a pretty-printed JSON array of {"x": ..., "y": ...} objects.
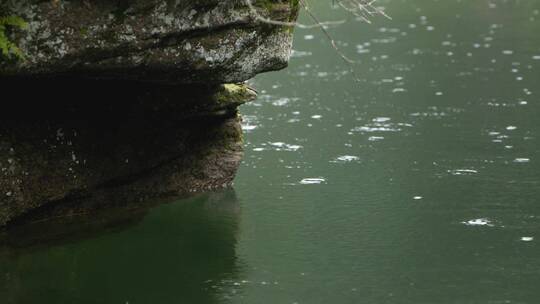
[
  {"x": 281, "y": 146},
  {"x": 312, "y": 181},
  {"x": 381, "y": 119},
  {"x": 463, "y": 171},
  {"x": 346, "y": 159},
  {"x": 479, "y": 222},
  {"x": 437, "y": 112},
  {"x": 277, "y": 146},
  {"x": 248, "y": 127},
  {"x": 381, "y": 124},
  {"x": 299, "y": 54},
  {"x": 281, "y": 102},
  {"x": 249, "y": 123},
  {"x": 376, "y": 138}
]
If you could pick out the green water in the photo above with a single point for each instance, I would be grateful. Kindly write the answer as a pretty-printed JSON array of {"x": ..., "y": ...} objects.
[{"x": 420, "y": 183}]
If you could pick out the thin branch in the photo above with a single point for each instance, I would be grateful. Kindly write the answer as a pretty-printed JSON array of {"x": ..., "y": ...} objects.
[
  {"x": 262, "y": 19},
  {"x": 362, "y": 9},
  {"x": 327, "y": 34}
]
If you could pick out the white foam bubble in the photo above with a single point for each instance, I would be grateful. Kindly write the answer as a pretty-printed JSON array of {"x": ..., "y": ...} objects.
[
  {"x": 478, "y": 222},
  {"x": 312, "y": 181},
  {"x": 346, "y": 159},
  {"x": 381, "y": 119},
  {"x": 462, "y": 171}
]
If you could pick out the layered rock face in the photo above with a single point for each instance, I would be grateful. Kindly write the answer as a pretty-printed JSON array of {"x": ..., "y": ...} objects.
[
  {"x": 182, "y": 41},
  {"x": 119, "y": 101}
]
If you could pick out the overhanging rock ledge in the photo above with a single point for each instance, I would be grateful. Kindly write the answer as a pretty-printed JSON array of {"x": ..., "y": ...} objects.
[{"x": 127, "y": 100}]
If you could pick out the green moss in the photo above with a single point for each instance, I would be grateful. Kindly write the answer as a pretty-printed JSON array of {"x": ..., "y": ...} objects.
[
  {"x": 83, "y": 32},
  {"x": 295, "y": 8},
  {"x": 9, "y": 49},
  {"x": 235, "y": 94}
]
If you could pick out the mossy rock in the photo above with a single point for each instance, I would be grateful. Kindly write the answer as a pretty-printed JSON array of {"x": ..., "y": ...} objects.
[{"x": 187, "y": 41}]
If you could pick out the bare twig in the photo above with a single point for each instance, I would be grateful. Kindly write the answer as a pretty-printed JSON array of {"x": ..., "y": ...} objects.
[
  {"x": 260, "y": 18},
  {"x": 327, "y": 34},
  {"x": 362, "y": 9}
]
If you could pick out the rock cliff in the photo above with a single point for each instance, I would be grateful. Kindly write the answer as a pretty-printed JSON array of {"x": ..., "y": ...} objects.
[
  {"x": 114, "y": 102},
  {"x": 182, "y": 41}
]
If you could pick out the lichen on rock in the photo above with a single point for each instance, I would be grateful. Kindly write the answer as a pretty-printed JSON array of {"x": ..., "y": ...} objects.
[{"x": 150, "y": 40}]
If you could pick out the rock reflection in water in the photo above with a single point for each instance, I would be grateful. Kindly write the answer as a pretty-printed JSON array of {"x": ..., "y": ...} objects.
[{"x": 177, "y": 252}]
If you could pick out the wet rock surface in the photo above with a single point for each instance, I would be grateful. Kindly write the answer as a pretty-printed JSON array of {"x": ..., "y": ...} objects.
[
  {"x": 105, "y": 143},
  {"x": 114, "y": 102},
  {"x": 186, "y": 41}
]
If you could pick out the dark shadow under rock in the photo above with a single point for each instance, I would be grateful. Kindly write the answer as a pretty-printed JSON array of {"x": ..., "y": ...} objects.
[{"x": 73, "y": 146}]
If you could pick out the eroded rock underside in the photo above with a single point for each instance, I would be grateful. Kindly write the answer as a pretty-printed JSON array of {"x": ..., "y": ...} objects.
[{"x": 120, "y": 101}]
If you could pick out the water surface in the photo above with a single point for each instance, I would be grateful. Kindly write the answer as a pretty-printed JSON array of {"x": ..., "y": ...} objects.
[{"x": 414, "y": 180}]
